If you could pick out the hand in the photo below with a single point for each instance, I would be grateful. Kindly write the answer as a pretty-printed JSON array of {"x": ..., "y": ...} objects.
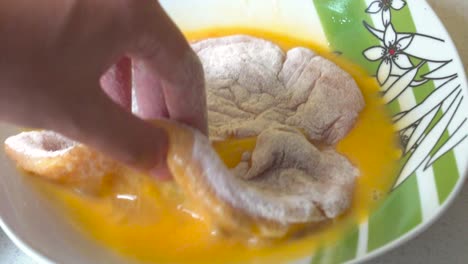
[{"x": 63, "y": 61}]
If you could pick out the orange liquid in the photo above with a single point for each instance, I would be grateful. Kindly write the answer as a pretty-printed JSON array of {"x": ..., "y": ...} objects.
[{"x": 152, "y": 228}]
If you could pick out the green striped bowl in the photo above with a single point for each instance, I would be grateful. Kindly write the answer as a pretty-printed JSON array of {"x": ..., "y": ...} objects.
[{"x": 402, "y": 43}]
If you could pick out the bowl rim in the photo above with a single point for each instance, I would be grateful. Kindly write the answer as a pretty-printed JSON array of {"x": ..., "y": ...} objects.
[
  {"x": 38, "y": 256},
  {"x": 24, "y": 246},
  {"x": 424, "y": 226}
]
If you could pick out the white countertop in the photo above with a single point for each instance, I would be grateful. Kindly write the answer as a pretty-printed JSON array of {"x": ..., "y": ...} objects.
[{"x": 447, "y": 240}]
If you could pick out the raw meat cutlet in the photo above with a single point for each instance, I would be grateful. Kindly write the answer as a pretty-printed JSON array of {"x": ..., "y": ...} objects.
[
  {"x": 287, "y": 101},
  {"x": 253, "y": 85}
]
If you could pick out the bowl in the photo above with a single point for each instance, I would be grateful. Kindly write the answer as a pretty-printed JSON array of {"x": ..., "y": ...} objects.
[{"x": 422, "y": 82}]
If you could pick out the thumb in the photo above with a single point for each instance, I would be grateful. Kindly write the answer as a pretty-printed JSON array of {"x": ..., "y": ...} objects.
[{"x": 105, "y": 126}]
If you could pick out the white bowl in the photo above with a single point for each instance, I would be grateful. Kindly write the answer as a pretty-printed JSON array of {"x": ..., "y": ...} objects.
[{"x": 429, "y": 180}]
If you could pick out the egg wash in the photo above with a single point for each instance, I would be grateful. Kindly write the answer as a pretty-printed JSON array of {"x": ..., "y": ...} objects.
[{"x": 145, "y": 220}]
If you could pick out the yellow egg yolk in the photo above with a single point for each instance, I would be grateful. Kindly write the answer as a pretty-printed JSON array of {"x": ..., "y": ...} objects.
[{"x": 145, "y": 220}]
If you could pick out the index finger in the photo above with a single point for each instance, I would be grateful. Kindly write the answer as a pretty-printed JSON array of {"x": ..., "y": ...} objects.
[{"x": 168, "y": 74}]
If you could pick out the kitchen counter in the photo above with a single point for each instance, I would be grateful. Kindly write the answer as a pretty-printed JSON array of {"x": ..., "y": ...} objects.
[{"x": 446, "y": 241}]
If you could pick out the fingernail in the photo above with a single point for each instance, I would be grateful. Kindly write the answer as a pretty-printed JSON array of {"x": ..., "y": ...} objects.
[{"x": 161, "y": 173}]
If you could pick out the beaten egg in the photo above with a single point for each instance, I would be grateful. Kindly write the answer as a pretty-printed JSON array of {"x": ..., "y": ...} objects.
[{"x": 147, "y": 221}]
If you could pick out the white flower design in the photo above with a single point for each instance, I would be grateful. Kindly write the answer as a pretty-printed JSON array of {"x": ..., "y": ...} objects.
[
  {"x": 419, "y": 127},
  {"x": 385, "y": 6},
  {"x": 391, "y": 53}
]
